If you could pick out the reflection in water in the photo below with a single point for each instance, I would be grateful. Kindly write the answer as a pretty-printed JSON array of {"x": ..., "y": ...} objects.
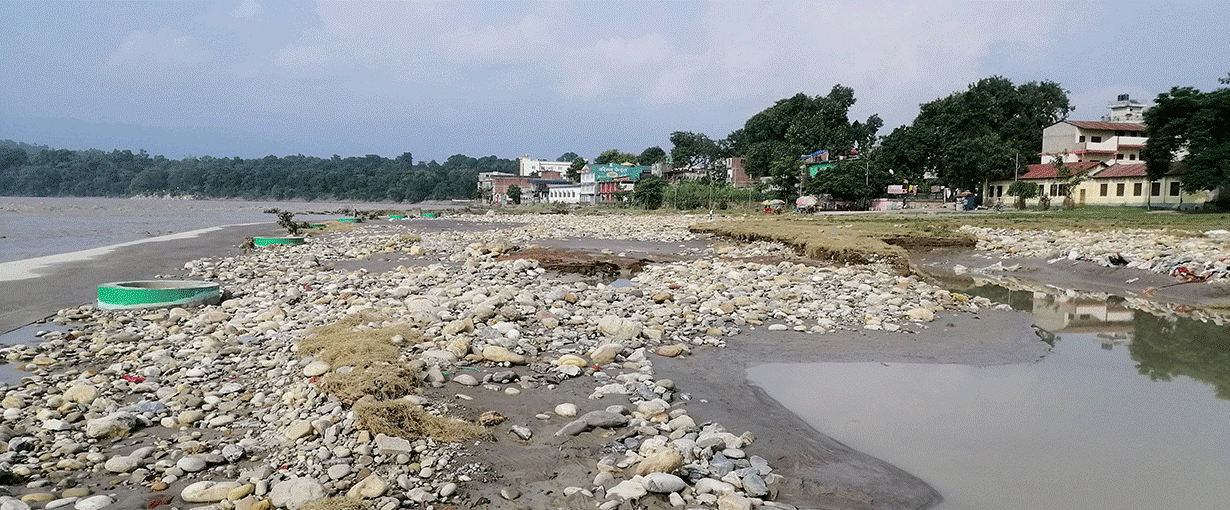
[
  {"x": 1164, "y": 348},
  {"x": 1092, "y": 425}
]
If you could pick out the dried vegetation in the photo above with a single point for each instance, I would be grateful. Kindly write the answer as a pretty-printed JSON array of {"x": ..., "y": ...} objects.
[{"x": 369, "y": 373}]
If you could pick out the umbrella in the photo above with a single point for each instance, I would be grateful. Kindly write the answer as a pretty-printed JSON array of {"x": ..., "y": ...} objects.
[
  {"x": 806, "y": 201},
  {"x": 773, "y": 202}
]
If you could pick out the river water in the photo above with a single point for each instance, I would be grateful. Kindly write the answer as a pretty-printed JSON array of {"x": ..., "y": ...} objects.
[
  {"x": 37, "y": 227},
  {"x": 1128, "y": 411}
]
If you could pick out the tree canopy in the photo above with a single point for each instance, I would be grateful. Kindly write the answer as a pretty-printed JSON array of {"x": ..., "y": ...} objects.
[
  {"x": 1186, "y": 120},
  {"x": 773, "y": 140},
  {"x": 614, "y": 157},
  {"x": 651, "y": 155},
  {"x": 62, "y": 172},
  {"x": 977, "y": 134}
]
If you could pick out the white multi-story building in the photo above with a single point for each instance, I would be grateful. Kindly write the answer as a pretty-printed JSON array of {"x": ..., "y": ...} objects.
[
  {"x": 535, "y": 167},
  {"x": 1079, "y": 141},
  {"x": 1125, "y": 109},
  {"x": 1118, "y": 138}
]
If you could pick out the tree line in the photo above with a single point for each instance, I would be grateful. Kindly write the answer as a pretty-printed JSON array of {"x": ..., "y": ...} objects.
[
  {"x": 986, "y": 132},
  {"x": 29, "y": 170}
]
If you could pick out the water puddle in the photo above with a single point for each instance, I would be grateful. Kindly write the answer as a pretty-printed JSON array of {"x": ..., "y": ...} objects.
[
  {"x": 25, "y": 335},
  {"x": 1128, "y": 411}
]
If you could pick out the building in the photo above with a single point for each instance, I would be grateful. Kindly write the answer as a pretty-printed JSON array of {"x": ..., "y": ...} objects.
[
  {"x": 564, "y": 193},
  {"x": 605, "y": 184},
  {"x": 539, "y": 167},
  {"x": 1125, "y": 109},
  {"x": 1077, "y": 141},
  {"x": 1110, "y": 185},
  {"x": 736, "y": 173}
]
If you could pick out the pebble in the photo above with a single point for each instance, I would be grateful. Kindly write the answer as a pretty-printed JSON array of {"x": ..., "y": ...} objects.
[{"x": 241, "y": 414}]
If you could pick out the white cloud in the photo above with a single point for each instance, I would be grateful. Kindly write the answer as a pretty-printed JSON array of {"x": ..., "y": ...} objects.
[
  {"x": 248, "y": 9},
  {"x": 164, "y": 47}
]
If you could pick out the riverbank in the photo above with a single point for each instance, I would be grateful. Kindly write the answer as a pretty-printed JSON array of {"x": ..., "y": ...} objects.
[
  {"x": 70, "y": 281},
  {"x": 592, "y": 392}
]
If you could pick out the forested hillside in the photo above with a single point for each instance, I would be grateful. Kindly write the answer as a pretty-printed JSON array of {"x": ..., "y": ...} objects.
[{"x": 27, "y": 170}]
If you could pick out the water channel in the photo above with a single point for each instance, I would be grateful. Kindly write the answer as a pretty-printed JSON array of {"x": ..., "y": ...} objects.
[{"x": 1128, "y": 411}]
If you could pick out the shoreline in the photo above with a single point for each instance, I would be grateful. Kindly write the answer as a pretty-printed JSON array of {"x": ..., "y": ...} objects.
[
  {"x": 71, "y": 280},
  {"x": 40, "y": 266}
]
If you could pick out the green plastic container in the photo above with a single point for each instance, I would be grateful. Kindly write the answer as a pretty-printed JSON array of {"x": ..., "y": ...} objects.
[
  {"x": 267, "y": 241},
  {"x": 397, "y": 216},
  {"x": 430, "y": 215},
  {"x": 348, "y": 220},
  {"x": 157, "y": 293}
]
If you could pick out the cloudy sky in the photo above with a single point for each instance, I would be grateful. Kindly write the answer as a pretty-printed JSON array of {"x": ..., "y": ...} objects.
[{"x": 252, "y": 78}]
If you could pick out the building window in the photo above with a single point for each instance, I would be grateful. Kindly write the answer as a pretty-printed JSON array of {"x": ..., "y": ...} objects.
[
  {"x": 1155, "y": 189},
  {"x": 1095, "y": 139},
  {"x": 1118, "y": 133},
  {"x": 1102, "y": 190},
  {"x": 1137, "y": 188},
  {"x": 1119, "y": 189},
  {"x": 1081, "y": 139},
  {"x": 1118, "y": 156},
  {"x": 1132, "y": 157},
  {"x": 1174, "y": 189}
]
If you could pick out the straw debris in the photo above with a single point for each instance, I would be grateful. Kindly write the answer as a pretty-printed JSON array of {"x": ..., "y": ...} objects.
[
  {"x": 336, "y": 504},
  {"x": 366, "y": 360},
  {"x": 406, "y": 419}
]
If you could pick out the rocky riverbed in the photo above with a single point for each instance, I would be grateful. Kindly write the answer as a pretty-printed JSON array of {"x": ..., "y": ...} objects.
[{"x": 462, "y": 376}]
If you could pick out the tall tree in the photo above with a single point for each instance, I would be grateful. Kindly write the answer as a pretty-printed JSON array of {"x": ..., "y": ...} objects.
[
  {"x": 567, "y": 156},
  {"x": 1186, "y": 120},
  {"x": 774, "y": 140},
  {"x": 651, "y": 156},
  {"x": 977, "y": 134},
  {"x": 574, "y": 170},
  {"x": 694, "y": 150},
  {"x": 614, "y": 157}
]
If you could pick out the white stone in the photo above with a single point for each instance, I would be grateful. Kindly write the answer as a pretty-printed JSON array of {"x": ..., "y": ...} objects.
[
  {"x": 295, "y": 492},
  {"x": 207, "y": 491}
]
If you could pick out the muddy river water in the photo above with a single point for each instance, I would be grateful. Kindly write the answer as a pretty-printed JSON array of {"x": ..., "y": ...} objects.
[{"x": 1129, "y": 410}]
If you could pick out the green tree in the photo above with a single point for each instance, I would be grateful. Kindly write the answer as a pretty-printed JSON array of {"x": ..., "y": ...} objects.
[
  {"x": 574, "y": 170},
  {"x": 1186, "y": 120},
  {"x": 695, "y": 150},
  {"x": 977, "y": 134},
  {"x": 773, "y": 140},
  {"x": 567, "y": 156},
  {"x": 1071, "y": 177},
  {"x": 851, "y": 179},
  {"x": 1023, "y": 190},
  {"x": 651, "y": 156},
  {"x": 648, "y": 192},
  {"x": 614, "y": 157},
  {"x": 514, "y": 194},
  {"x": 1165, "y": 348}
]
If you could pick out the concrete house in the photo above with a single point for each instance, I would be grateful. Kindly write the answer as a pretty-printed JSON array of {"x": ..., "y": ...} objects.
[{"x": 1110, "y": 152}]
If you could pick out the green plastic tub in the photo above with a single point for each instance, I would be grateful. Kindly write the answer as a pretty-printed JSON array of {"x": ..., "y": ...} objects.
[
  {"x": 267, "y": 241},
  {"x": 157, "y": 293}
]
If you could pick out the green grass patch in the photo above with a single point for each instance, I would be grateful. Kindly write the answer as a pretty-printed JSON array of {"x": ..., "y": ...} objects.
[{"x": 859, "y": 238}]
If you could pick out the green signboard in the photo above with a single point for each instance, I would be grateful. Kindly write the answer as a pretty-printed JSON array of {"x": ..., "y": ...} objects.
[{"x": 615, "y": 172}]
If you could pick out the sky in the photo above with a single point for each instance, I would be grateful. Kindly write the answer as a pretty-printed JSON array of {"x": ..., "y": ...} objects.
[{"x": 253, "y": 78}]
